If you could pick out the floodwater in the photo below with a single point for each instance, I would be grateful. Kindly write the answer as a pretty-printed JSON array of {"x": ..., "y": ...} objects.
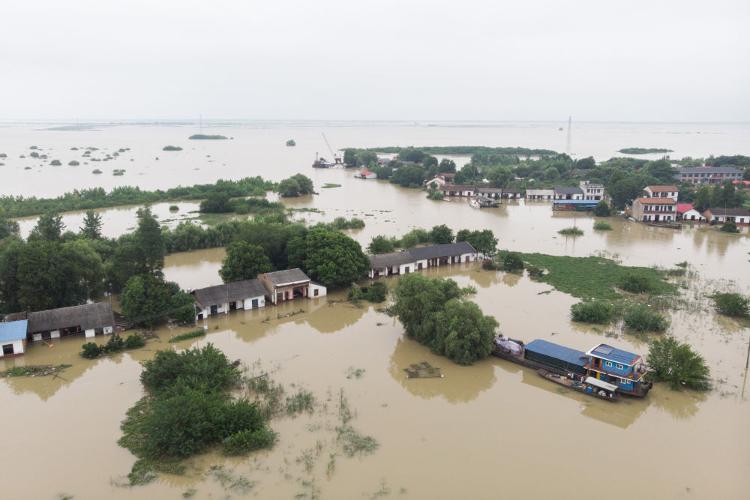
[{"x": 492, "y": 430}]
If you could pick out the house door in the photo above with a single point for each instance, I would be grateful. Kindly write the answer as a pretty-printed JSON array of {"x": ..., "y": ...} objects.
[
  {"x": 233, "y": 306},
  {"x": 8, "y": 350},
  {"x": 254, "y": 304},
  {"x": 214, "y": 309}
]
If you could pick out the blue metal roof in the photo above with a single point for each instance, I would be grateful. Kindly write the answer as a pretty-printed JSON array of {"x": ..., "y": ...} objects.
[
  {"x": 13, "y": 330},
  {"x": 557, "y": 351},
  {"x": 610, "y": 353}
]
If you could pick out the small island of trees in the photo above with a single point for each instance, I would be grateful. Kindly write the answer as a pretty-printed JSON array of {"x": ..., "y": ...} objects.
[
  {"x": 207, "y": 137},
  {"x": 171, "y": 148},
  {"x": 643, "y": 151}
]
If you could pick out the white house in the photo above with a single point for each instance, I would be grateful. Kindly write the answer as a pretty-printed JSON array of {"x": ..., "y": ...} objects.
[
  {"x": 416, "y": 259},
  {"x": 592, "y": 191},
  {"x": 540, "y": 194},
  {"x": 290, "y": 284},
  {"x": 568, "y": 193},
  {"x": 458, "y": 190},
  {"x": 687, "y": 212},
  {"x": 88, "y": 319},
  {"x": 440, "y": 180},
  {"x": 661, "y": 192},
  {"x": 13, "y": 338},
  {"x": 721, "y": 215},
  {"x": 245, "y": 294}
]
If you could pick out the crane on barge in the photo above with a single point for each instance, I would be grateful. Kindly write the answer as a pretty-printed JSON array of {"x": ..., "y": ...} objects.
[{"x": 321, "y": 162}]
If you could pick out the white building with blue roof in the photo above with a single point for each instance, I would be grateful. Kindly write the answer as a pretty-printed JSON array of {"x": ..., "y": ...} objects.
[{"x": 13, "y": 338}]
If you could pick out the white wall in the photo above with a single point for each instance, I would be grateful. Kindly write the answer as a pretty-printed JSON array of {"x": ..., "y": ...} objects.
[
  {"x": 312, "y": 287},
  {"x": 17, "y": 347},
  {"x": 248, "y": 302}
]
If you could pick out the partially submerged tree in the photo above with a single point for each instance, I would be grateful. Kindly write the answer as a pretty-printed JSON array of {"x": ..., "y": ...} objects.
[
  {"x": 92, "y": 225},
  {"x": 244, "y": 261},
  {"x": 677, "y": 364}
]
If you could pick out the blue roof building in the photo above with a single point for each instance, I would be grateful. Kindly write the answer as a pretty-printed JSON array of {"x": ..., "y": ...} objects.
[
  {"x": 557, "y": 356},
  {"x": 619, "y": 367},
  {"x": 13, "y": 337}
]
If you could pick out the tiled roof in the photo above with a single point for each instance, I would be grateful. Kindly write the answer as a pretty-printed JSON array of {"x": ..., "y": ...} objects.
[
  {"x": 709, "y": 170},
  {"x": 229, "y": 292},
  {"x": 732, "y": 212},
  {"x": 662, "y": 189},
  {"x": 391, "y": 259},
  {"x": 287, "y": 276},
  {"x": 567, "y": 190},
  {"x": 657, "y": 201},
  {"x": 444, "y": 250},
  {"x": 684, "y": 207},
  {"x": 87, "y": 316}
]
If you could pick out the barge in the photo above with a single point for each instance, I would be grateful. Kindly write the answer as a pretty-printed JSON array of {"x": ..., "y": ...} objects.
[{"x": 603, "y": 371}]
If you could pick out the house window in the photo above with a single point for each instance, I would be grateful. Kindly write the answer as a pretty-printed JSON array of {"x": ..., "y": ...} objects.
[
  {"x": 619, "y": 366},
  {"x": 608, "y": 364},
  {"x": 315, "y": 292}
]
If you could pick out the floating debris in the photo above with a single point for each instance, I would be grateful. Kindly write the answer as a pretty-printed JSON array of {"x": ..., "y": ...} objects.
[
  {"x": 423, "y": 370},
  {"x": 33, "y": 371}
]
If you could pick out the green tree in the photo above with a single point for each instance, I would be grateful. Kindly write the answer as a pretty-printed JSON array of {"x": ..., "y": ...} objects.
[
  {"x": 409, "y": 175},
  {"x": 661, "y": 170},
  {"x": 49, "y": 227},
  {"x": 10, "y": 253},
  {"x": 602, "y": 209},
  {"x": 468, "y": 174},
  {"x": 297, "y": 185},
  {"x": 149, "y": 238},
  {"x": 218, "y": 202},
  {"x": 483, "y": 241},
  {"x": 463, "y": 333},
  {"x": 8, "y": 227},
  {"x": 330, "y": 257},
  {"x": 441, "y": 234},
  {"x": 244, "y": 261},
  {"x": 677, "y": 364},
  {"x": 381, "y": 244},
  {"x": 148, "y": 300},
  {"x": 447, "y": 166},
  {"x": 417, "y": 302},
  {"x": 500, "y": 176},
  {"x": 92, "y": 225},
  {"x": 702, "y": 199}
]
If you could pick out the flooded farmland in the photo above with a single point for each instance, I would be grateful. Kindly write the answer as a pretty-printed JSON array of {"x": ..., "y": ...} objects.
[{"x": 492, "y": 430}]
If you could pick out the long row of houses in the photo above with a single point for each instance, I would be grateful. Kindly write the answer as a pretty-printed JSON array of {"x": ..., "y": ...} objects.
[
  {"x": 90, "y": 320},
  {"x": 419, "y": 258}
]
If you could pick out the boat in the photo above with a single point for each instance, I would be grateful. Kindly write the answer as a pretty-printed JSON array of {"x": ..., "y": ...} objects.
[
  {"x": 483, "y": 202},
  {"x": 590, "y": 385},
  {"x": 615, "y": 367},
  {"x": 321, "y": 162}
]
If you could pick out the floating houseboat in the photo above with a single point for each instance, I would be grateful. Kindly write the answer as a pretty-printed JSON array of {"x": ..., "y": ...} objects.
[{"x": 602, "y": 371}]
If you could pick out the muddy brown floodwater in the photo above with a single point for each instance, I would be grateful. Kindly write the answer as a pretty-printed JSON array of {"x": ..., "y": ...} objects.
[{"x": 492, "y": 430}]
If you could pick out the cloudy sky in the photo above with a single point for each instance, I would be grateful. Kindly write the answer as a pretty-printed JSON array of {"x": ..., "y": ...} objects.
[{"x": 666, "y": 60}]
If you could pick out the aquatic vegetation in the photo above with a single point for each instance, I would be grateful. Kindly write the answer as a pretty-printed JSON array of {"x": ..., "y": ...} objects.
[
  {"x": 593, "y": 277},
  {"x": 171, "y": 148},
  {"x": 595, "y": 311},
  {"x": 602, "y": 209},
  {"x": 342, "y": 223},
  {"x": 115, "y": 344},
  {"x": 192, "y": 334},
  {"x": 637, "y": 283},
  {"x": 640, "y": 318},
  {"x": 732, "y": 304},
  {"x": 33, "y": 370},
  {"x": 678, "y": 364},
  {"x": 207, "y": 137},
  {"x": 230, "y": 481},
  {"x": 291, "y": 143},
  {"x": 600, "y": 225},
  {"x": 301, "y": 402},
  {"x": 118, "y": 172},
  {"x": 571, "y": 231},
  {"x": 55, "y": 163},
  {"x": 729, "y": 227},
  {"x": 356, "y": 373},
  {"x": 353, "y": 442},
  {"x": 376, "y": 292},
  {"x": 512, "y": 262},
  {"x": 329, "y": 185},
  {"x": 73, "y": 163},
  {"x": 643, "y": 151},
  {"x": 95, "y": 171}
]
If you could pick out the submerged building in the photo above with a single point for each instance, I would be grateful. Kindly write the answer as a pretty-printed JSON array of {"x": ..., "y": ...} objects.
[{"x": 418, "y": 258}]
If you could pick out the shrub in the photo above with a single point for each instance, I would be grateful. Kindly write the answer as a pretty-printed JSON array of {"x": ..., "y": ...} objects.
[
  {"x": 434, "y": 194},
  {"x": 91, "y": 350},
  {"x": 489, "y": 265},
  {"x": 174, "y": 208},
  {"x": 535, "y": 272},
  {"x": 600, "y": 225},
  {"x": 512, "y": 261},
  {"x": 205, "y": 367},
  {"x": 642, "y": 319},
  {"x": 571, "y": 231},
  {"x": 729, "y": 227},
  {"x": 114, "y": 344},
  {"x": 135, "y": 341},
  {"x": 249, "y": 440},
  {"x": 732, "y": 304},
  {"x": 188, "y": 335},
  {"x": 602, "y": 209},
  {"x": 677, "y": 364},
  {"x": 595, "y": 311},
  {"x": 636, "y": 283}
]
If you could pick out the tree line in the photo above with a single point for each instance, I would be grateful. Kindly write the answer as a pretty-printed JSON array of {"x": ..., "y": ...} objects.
[{"x": 484, "y": 241}]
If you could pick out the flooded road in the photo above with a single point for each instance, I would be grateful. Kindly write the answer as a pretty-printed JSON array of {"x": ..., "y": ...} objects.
[{"x": 492, "y": 430}]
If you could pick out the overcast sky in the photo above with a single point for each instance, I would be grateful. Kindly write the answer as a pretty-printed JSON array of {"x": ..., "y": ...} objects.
[{"x": 665, "y": 60}]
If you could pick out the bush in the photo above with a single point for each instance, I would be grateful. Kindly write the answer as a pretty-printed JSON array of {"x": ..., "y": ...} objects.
[
  {"x": 249, "y": 440},
  {"x": 636, "y": 283},
  {"x": 729, "y": 227},
  {"x": 732, "y": 304},
  {"x": 205, "y": 367},
  {"x": 677, "y": 364},
  {"x": 135, "y": 341},
  {"x": 114, "y": 344},
  {"x": 535, "y": 272},
  {"x": 434, "y": 194},
  {"x": 377, "y": 292},
  {"x": 642, "y": 319},
  {"x": 91, "y": 350},
  {"x": 512, "y": 261},
  {"x": 489, "y": 265},
  {"x": 600, "y": 225},
  {"x": 602, "y": 209},
  {"x": 595, "y": 311},
  {"x": 571, "y": 231}
]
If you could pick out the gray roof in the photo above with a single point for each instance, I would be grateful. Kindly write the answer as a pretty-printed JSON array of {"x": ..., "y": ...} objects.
[
  {"x": 229, "y": 292},
  {"x": 287, "y": 276},
  {"x": 709, "y": 170},
  {"x": 732, "y": 212},
  {"x": 87, "y": 316},
  {"x": 382, "y": 260},
  {"x": 444, "y": 250},
  {"x": 489, "y": 190},
  {"x": 568, "y": 190}
]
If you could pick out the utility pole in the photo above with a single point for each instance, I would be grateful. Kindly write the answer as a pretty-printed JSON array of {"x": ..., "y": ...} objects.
[{"x": 570, "y": 136}]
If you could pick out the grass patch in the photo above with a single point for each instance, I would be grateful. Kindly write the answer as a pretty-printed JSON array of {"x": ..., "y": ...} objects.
[
  {"x": 592, "y": 277},
  {"x": 571, "y": 231},
  {"x": 192, "y": 334},
  {"x": 731, "y": 304},
  {"x": 600, "y": 225}
]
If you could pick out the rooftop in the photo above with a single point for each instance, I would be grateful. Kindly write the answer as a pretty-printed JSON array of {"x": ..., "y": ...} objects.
[
  {"x": 609, "y": 353},
  {"x": 382, "y": 260},
  {"x": 229, "y": 292},
  {"x": 684, "y": 207},
  {"x": 568, "y": 190},
  {"x": 732, "y": 212},
  {"x": 87, "y": 316},
  {"x": 567, "y": 354},
  {"x": 287, "y": 276},
  {"x": 458, "y": 187},
  {"x": 662, "y": 189},
  {"x": 709, "y": 170},
  {"x": 13, "y": 330},
  {"x": 657, "y": 201},
  {"x": 443, "y": 250}
]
